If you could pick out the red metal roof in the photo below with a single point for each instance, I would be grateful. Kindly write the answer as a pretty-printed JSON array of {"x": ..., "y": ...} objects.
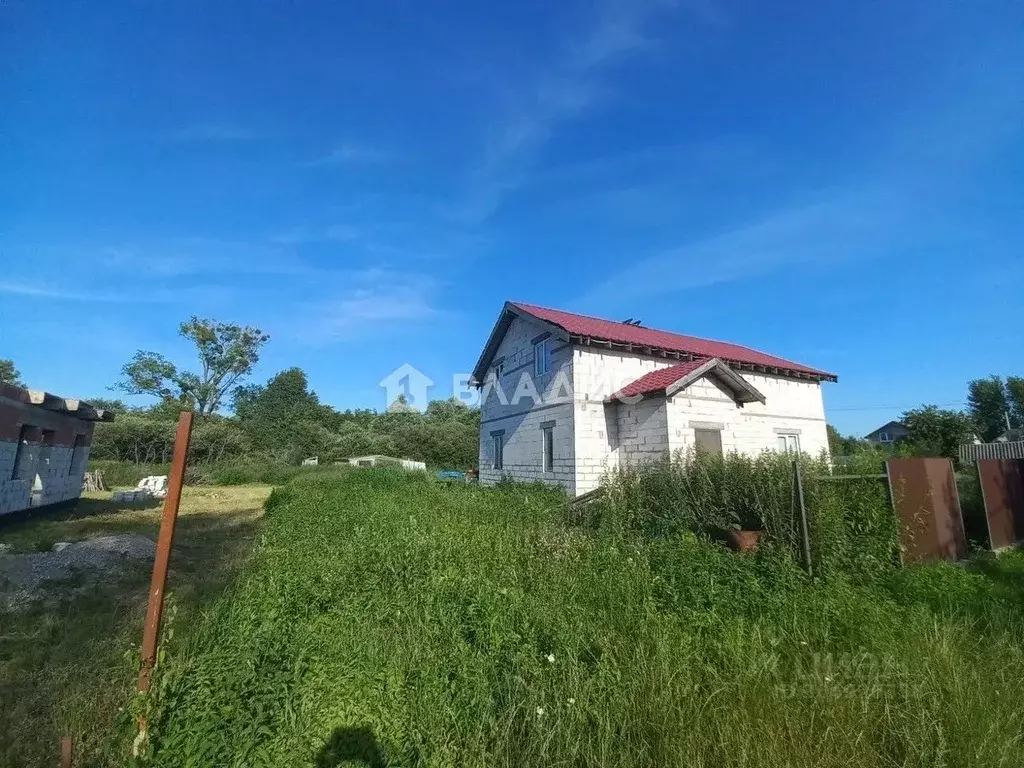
[
  {"x": 659, "y": 380},
  {"x": 622, "y": 333}
]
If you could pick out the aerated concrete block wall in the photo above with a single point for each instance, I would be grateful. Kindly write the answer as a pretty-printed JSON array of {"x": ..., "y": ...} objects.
[
  {"x": 519, "y": 418},
  {"x": 43, "y": 456}
]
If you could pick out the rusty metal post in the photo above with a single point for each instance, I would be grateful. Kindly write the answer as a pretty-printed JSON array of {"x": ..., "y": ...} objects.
[
  {"x": 66, "y": 752},
  {"x": 151, "y": 631},
  {"x": 805, "y": 528}
]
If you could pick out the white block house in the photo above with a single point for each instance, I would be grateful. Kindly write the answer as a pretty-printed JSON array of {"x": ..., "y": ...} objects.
[{"x": 565, "y": 398}]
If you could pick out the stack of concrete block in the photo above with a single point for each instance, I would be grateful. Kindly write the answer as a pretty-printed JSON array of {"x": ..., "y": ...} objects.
[{"x": 152, "y": 487}]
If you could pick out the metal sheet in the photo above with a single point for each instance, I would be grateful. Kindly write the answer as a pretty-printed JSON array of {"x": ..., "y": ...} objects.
[
  {"x": 1002, "y": 488},
  {"x": 926, "y": 501}
]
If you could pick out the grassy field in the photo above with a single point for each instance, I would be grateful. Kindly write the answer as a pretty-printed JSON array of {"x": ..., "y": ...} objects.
[
  {"x": 389, "y": 620},
  {"x": 62, "y": 662}
]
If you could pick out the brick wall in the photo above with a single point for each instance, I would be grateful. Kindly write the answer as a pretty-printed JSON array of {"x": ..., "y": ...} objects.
[
  {"x": 596, "y": 375},
  {"x": 520, "y": 417},
  {"x": 609, "y": 434},
  {"x": 48, "y": 468},
  {"x": 791, "y": 407}
]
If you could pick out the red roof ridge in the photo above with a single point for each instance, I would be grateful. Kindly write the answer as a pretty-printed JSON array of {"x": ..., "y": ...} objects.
[
  {"x": 621, "y": 333},
  {"x": 526, "y": 306}
]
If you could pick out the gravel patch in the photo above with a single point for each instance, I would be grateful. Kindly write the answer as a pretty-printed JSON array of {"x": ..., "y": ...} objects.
[{"x": 28, "y": 571}]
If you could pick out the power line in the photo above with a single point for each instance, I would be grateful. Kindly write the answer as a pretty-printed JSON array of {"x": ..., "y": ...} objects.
[{"x": 895, "y": 407}]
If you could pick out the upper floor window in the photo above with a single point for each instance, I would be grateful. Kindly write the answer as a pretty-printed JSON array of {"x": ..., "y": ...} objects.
[
  {"x": 499, "y": 369},
  {"x": 884, "y": 437},
  {"x": 540, "y": 358}
]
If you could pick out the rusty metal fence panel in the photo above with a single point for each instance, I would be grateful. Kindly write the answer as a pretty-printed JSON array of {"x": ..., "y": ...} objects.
[
  {"x": 1002, "y": 488},
  {"x": 926, "y": 501}
]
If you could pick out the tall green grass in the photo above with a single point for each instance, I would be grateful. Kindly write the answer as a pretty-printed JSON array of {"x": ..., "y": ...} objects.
[
  {"x": 392, "y": 620},
  {"x": 853, "y": 528}
]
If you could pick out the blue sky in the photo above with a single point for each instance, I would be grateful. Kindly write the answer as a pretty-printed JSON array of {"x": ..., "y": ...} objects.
[{"x": 840, "y": 184}]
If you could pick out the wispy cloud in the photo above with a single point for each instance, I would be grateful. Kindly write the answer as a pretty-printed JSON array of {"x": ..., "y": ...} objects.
[
  {"x": 902, "y": 199},
  {"x": 38, "y": 291},
  {"x": 213, "y": 132},
  {"x": 373, "y": 301},
  {"x": 350, "y": 153},
  {"x": 332, "y": 233},
  {"x": 564, "y": 92},
  {"x": 826, "y": 229}
]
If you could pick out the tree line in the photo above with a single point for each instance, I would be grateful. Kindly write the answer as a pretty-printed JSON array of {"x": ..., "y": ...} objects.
[
  {"x": 995, "y": 406},
  {"x": 281, "y": 421},
  {"x": 284, "y": 420}
]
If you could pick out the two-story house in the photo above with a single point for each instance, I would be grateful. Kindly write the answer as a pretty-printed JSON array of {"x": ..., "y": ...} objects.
[{"x": 566, "y": 397}]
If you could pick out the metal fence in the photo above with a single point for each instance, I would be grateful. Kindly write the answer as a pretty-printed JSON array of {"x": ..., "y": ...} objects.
[{"x": 972, "y": 452}]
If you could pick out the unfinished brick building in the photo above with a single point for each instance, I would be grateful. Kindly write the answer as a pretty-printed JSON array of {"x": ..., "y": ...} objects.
[{"x": 44, "y": 447}]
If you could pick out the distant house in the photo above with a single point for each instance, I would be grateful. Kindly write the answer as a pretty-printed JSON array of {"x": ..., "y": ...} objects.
[
  {"x": 565, "y": 398},
  {"x": 1010, "y": 436},
  {"x": 887, "y": 434}
]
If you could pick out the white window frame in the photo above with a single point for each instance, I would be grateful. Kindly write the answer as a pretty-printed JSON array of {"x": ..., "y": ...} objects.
[
  {"x": 497, "y": 451},
  {"x": 884, "y": 437},
  {"x": 789, "y": 442},
  {"x": 499, "y": 369},
  {"x": 540, "y": 357},
  {"x": 547, "y": 449}
]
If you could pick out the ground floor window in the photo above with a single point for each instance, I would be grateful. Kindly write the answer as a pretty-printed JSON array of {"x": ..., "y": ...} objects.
[
  {"x": 22, "y": 453},
  {"x": 708, "y": 440},
  {"x": 497, "y": 451},
  {"x": 548, "y": 448},
  {"x": 789, "y": 443}
]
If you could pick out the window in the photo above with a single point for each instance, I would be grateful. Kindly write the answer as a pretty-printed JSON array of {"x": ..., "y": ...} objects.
[
  {"x": 497, "y": 451},
  {"x": 540, "y": 358},
  {"x": 22, "y": 454},
  {"x": 548, "y": 448},
  {"x": 789, "y": 443},
  {"x": 499, "y": 369},
  {"x": 884, "y": 437},
  {"x": 76, "y": 453},
  {"x": 708, "y": 440}
]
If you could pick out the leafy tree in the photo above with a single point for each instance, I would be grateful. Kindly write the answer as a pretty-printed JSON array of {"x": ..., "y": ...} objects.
[
  {"x": 838, "y": 445},
  {"x": 987, "y": 403},
  {"x": 107, "y": 404},
  {"x": 451, "y": 409},
  {"x": 9, "y": 374},
  {"x": 1015, "y": 400},
  {"x": 936, "y": 432},
  {"x": 227, "y": 353}
]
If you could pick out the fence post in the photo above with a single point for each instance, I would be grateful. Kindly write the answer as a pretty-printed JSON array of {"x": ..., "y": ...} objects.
[
  {"x": 805, "y": 528},
  {"x": 154, "y": 611},
  {"x": 66, "y": 752}
]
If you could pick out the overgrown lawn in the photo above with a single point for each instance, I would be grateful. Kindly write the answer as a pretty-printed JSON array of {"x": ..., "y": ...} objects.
[
  {"x": 63, "y": 666},
  {"x": 390, "y": 620}
]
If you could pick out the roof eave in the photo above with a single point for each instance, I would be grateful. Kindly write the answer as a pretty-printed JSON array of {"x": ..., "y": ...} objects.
[{"x": 673, "y": 354}]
